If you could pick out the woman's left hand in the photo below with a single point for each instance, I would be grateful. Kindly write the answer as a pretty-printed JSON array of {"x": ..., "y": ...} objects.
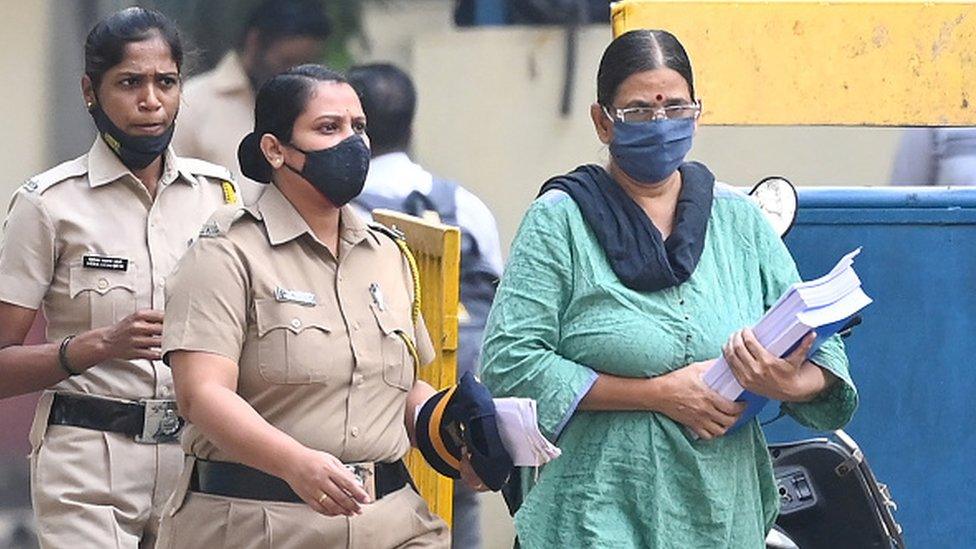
[
  {"x": 469, "y": 476},
  {"x": 787, "y": 379}
]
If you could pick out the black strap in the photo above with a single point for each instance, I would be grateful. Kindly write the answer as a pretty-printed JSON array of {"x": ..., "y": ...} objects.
[
  {"x": 235, "y": 480},
  {"x": 100, "y": 414}
]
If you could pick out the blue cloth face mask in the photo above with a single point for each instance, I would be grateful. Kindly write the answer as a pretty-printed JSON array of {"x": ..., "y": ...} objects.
[{"x": 650, "y": 151}]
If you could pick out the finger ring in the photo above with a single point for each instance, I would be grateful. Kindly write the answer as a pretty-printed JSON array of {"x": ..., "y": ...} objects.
[{"x": 322, "y": 498}]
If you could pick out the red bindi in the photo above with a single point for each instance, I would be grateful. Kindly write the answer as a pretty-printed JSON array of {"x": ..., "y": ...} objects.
[{"x": 660, "y": 97}]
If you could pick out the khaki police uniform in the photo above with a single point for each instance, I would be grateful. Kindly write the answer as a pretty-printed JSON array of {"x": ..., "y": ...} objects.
[
  {"x": 87, "y": 241},
  {"x": 216, "y": 112},
  {"x": 317, "y": 342}
]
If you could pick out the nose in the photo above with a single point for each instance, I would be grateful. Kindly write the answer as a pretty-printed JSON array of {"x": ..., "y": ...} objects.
[{"x": 150, "y": 99}]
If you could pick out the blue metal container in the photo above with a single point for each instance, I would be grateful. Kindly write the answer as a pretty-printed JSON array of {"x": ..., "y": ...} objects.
[{"x": 913, "y": 357}]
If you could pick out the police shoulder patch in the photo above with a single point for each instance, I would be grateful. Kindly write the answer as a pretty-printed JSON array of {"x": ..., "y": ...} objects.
[{"x": 62, "y": 172}]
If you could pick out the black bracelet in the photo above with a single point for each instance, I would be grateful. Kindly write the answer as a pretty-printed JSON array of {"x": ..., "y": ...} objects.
[{"x": 63, "y": 356}]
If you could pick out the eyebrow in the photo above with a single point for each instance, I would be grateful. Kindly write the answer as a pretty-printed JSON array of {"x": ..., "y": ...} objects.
[{"x": 132, "y": 73}]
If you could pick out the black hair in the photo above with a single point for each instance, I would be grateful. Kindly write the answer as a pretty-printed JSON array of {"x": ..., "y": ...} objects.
[
  {"x": 277, "y": 19},
  {"x": 638, "y": 51},
  {"x": 106, "y": 42},
  {"x": 389, "y": 101},
  {"x": 279, "y": 103}
]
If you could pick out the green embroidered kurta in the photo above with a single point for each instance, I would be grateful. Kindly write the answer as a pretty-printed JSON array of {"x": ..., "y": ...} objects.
[{"x": 636, "y": 479}]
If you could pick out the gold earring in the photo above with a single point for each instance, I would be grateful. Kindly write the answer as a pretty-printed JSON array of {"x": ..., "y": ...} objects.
[{"x": 89, "y": 104}]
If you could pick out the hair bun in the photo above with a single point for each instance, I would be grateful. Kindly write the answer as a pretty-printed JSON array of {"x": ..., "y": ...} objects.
[{"x": 253, "y": 163}]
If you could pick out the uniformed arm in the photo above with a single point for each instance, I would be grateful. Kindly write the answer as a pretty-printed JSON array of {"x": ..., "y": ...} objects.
[
  {"x": 202, "y": 340},
  {"x": 28, "y": 257},
  {"x": 818, "y": 392}
]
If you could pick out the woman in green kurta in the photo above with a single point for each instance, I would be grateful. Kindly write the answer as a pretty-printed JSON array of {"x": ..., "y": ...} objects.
[{"x": 623, "y": 285}]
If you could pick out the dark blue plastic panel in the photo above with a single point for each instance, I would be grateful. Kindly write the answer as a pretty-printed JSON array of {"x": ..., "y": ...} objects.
[{"x": 913, "y": 357}]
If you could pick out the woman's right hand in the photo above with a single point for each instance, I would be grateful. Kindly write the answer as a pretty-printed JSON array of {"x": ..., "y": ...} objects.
[
  {"x": 138, "y": 335},
  {"x": 687, "y": 400},
  {"x": 324, "y": 483}
]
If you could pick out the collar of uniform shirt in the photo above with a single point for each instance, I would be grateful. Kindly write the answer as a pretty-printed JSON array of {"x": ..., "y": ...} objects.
[
  {"x": 284, "y": 223},
  {"x": 104, "y": 167}
]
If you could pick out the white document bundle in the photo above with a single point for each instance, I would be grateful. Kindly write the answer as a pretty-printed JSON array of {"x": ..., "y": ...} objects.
[
  {"x": 518, "y": 426},
  {"x": 824, "y": 305}
]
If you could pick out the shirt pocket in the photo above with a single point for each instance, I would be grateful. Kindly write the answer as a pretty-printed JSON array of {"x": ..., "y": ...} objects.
[
  {"x": 398, "y": 362},
  {"x": 109, "y": 295},
  {"x": 296, "y": 343}
]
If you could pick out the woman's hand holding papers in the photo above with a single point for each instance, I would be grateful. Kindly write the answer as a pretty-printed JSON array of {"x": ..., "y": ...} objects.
[
  {"x": 792, "y": 378},
  {"x": 687, "y": 400}
]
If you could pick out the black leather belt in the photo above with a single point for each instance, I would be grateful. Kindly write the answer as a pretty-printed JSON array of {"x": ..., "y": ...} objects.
[
  {"x": 221, "y": 478},
  {"x": 148, "y": 421}
]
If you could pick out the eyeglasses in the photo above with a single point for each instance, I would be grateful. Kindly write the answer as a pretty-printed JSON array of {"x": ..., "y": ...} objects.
[{"x": 647, "y": 114}]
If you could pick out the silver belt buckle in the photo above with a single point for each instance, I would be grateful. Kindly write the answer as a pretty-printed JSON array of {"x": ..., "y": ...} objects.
[
  {"x": 161, "y": 423},
  {"x": 365, "y": 473}
]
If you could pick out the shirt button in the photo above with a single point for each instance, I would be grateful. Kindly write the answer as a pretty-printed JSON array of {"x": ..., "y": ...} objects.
[
  {"x": 688, "y": 337},
  {"x": 296, "y": 323},
  {"x": 681, "y": 301},
  {"x": 355, "y": 326},
  {"x": 357, "y": 379},
  {"x": 687, "y": 317},
  {"x": 354, "y": 431},
  {"x": 102, "y": 284}
]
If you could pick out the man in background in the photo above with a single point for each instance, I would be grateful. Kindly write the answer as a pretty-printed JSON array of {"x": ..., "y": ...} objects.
[
  {"x": 936, "y": 156},
  {"x": 218, "y": 106},
  {"x": 396, "y": 182}
]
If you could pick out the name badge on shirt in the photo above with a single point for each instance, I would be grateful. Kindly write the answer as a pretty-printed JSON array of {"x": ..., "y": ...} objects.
[
  {"x": 294, "y": 296},
  {"x": 105, "y": 262}
]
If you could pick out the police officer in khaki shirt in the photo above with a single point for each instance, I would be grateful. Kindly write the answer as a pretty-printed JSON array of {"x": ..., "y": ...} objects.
[
  {"x": 291, "y": 332},
  {"x": 92, "y": 241},
  {"x": 218, "y": 105}
]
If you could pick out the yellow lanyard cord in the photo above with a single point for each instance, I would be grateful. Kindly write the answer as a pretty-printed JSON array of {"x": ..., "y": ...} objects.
[
  {"x": 411, "y": 348},
  {"x": 415, "y": 276}
]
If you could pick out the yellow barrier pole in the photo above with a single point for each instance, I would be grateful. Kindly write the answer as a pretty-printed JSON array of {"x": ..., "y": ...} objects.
[{"x": 437, "y": 250}]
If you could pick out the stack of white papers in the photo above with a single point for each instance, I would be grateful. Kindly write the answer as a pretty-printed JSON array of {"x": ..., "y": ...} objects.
[
  {"x": 518, "y": 426},
  {"x": 823, "y": 305}
]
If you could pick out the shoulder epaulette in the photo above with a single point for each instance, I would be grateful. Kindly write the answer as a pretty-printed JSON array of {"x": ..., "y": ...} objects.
[
  {"x": 214, "y": 172},
  {"x": 391, "y": 232},
  {"x": 222, "y": 219},
  {"x": 64, "y": 171},
  {"x": 206, "y": 169}
]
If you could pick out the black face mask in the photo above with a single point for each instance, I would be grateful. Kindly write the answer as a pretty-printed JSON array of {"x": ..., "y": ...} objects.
[
  {"x": 135, "y": 151},
  {"x": 338, "y": 172}
]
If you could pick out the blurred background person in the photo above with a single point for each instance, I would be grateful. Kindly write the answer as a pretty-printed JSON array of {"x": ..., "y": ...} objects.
[
  {"x": 218, "y": 106},
  {"x": 935, "y": 156},
  {"x": 395, "y": 182}
]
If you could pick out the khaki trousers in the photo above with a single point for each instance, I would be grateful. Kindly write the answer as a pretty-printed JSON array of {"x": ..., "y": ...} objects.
[
  {"x": 195, "y": 520},
  {"x": 96, "y": 489}
]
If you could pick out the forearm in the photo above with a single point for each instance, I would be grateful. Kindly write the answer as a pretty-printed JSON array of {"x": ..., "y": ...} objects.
[
  {"x": 613, "y": 393},
  {"x": 236, "y": 428},
  {"x": 419, "y": 393},
  {"x": 29, "y": 368},
  {"x": 811, "y": 381}
]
